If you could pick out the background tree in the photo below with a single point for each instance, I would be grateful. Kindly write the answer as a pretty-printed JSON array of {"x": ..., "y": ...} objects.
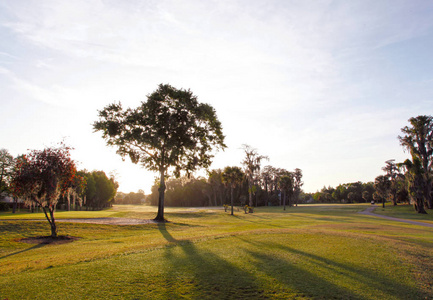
[
  {"x": 232, "y": 176},
  {"x": 170, "y": 131},
  {"x": 415, "y": 181},
  {"x": 251, "y": 163},
  {"x": 42, "y": 177},
  {"x": 381, "y": 185},
  {"x": 130, "y": 198},
  {"x": 297, "y": 184},
  {"x": 287, "y": 187},
  {"x": 391, "y": 171},
  {"x": 6, "y": 170},
  {"x": 418, "y": 140},
  {"x": 366, "y": 195},
  {"x": 216, "y": 185}
]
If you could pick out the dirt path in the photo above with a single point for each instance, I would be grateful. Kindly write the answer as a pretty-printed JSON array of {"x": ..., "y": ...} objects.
[{"x": 369, "y": 212}]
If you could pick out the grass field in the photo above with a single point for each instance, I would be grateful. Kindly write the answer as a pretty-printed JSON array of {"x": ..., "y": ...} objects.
[{"x": 305, "y": 252}]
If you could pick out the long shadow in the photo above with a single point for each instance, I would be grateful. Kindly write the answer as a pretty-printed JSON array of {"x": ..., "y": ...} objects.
[
  {"x": 368, "y": 277},
  {"x": 22, "y": 251},
  {"x": 205, "y": 274},
  {"x": 294, "y": 278},
  {"x": 163, "y": 229}
]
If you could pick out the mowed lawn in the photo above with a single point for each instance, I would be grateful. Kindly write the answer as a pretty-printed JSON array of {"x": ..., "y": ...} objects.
[{"x": 305, "y": 252}]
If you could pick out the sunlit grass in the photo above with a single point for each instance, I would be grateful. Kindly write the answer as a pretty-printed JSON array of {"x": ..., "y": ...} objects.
[
  {"x": 404, "y": 212},
  {"x": 313, "y": 251}
]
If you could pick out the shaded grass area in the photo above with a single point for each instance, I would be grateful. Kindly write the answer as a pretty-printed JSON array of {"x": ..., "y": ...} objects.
[
  {"x": 306, "y": 252},
  {"x": 405, "y": 212}
]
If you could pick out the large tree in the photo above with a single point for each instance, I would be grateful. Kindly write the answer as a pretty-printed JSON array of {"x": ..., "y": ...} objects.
[
  {"x": 414, "y": 177},
  {"x": 287, "y": 187},
  {"x": 381, "y": 186},
  {"x": 42, "y": 177},
  {"x": 232, "y": 176},
  {"x": 391, "y": 171},
  {"x": 418, "y": 140},
  {"x": 298, "y": 183},
  {"x": 251, "y": 162},
  {"x": 6, "y": 169},
  {"x": 170, "y": 132}
]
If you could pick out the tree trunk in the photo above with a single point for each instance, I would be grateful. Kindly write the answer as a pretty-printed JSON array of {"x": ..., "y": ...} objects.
[
  {"x": 51, "y": 220},
  {"x": 231, "y": 198},
  {"x": 250, "y": 195},
  {"x": 284, "y": 199},
  {"x": 14, "y": 209},
  {"x": 160, "y": 215},
  {"x": 429, "y": 199},
  {"x": 53, "y": 224},
  {"x": 215, "y": 198},
  {"x": 419, "y": 206},
  {"x": 73, "y": 200},
  {"x": 69, "y": 201}
]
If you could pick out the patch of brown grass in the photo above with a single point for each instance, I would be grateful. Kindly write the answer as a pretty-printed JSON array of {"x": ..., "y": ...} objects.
[{"x": 61, "y": 239}]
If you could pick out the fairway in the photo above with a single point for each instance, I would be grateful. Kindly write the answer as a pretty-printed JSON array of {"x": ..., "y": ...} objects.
[{"x": 305, "y": 252}]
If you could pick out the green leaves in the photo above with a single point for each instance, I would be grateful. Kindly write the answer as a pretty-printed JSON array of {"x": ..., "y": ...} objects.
[{"x": 170, "y": 130}]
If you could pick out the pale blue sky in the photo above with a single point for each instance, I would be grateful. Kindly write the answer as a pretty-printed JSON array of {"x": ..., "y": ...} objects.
[{"x": 324, "y": 86}]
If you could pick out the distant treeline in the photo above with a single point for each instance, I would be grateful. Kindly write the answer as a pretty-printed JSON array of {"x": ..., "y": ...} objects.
[
  {"x": 91, "y": 191},
  {"x": 212, "y": 191},
  {"x": 355, "y": 192},
  {"x": 130, "y": 198}
]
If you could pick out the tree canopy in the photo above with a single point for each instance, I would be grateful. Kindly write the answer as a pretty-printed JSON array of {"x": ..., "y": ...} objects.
[
  {"x": 418, "y": 140},
  {"x": 171, "y": 131},
  {"x": 6, "y": 169},
  {"x": 42, "y": 177},
  {"x": 232, "y": 176},
  {"x": 251, "y": 163}
]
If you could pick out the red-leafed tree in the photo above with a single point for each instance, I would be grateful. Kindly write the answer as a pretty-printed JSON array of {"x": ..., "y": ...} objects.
[{"x": 42, "y": 177}]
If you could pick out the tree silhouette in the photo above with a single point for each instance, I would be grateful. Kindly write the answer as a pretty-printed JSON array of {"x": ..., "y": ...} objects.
[
  {"x": 286, "y": 186},
  {"x": 251, "y": 162},
  {"x": 42, "y": 177},
  {"x": 171, "y": 131},
  {"x": 232, "y": 176},
  {"x": 418, "y": 140}
]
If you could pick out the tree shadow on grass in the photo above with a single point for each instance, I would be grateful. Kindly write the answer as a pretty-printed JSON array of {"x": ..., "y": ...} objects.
[
  {"x": 204, "y": 274},
  {"x": 370, "y": 278},
  {"x": 22, "y": 251}
]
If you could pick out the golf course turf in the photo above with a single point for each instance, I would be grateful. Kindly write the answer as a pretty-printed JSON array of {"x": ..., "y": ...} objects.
[{"x": 305, "y": 252}]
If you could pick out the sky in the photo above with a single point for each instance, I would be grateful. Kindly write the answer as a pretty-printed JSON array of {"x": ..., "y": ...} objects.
[{"x": 324, "y": 86}]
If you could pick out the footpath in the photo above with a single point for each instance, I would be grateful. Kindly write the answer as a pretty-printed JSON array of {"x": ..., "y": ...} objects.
[{"x": 369, "y": 212}]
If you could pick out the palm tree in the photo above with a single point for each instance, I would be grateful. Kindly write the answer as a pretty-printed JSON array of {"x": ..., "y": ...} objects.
[
  {"x": 418, "y": 141},
  {"x": 232, "y": 176}
]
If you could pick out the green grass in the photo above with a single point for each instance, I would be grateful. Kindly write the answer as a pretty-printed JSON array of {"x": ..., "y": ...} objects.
[
  {"x": 306, "y": 252},
  {"x": 404, "y": 212}
]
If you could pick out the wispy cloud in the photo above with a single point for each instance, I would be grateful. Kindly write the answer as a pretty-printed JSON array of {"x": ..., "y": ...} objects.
[{"x": 306, "y": 82}]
